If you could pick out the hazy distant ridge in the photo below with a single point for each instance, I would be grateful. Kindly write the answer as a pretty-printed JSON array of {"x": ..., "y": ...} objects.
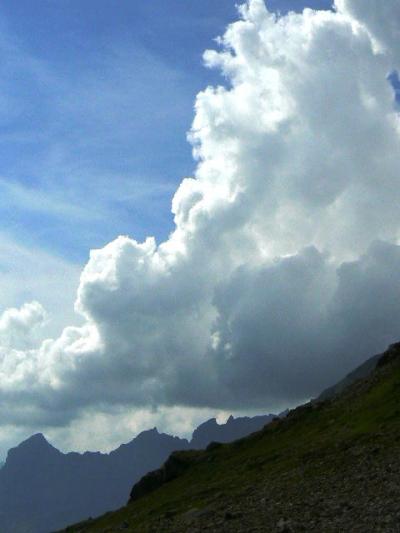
[{"x": 43, "y": 489}]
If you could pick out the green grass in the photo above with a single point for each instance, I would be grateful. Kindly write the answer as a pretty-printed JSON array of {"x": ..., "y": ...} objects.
[{"x": 312, "y": 439}]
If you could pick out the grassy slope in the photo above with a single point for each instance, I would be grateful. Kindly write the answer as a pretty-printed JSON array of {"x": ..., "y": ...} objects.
[{"x": 312, "y": 442}]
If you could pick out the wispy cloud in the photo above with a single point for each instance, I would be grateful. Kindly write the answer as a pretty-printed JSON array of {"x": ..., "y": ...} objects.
[
  {"x": 28, "y": 274},
  {"x": 82, "y": 147}
]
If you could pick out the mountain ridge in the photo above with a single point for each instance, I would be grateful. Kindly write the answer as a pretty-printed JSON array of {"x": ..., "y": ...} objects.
[{"x": 43, "y": 489}]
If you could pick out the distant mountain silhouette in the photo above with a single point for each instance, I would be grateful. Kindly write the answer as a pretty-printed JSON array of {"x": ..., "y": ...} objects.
[
  {"x": 43, "y": 489},
  {"x": 235, "y": 428}
]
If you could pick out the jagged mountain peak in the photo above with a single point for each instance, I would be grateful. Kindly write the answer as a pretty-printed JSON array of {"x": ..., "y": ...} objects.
[
  {"x": 36, "y": 438},
  {"x": 234, "y": 428},
  {"x": 209, "y": 422},
  {"x": 34, "y": 444},
  {"x": 148, "y": 433},
  {"x": 31, "y": 453}
]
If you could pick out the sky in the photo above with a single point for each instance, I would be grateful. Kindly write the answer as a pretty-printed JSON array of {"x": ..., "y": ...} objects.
[{"x": 199, "y": 209}]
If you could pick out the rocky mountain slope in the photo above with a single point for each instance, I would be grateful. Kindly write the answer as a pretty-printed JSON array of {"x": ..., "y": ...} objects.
[
  {"x": 42, "y": 489},
  {"x": 329, "y": 466}
]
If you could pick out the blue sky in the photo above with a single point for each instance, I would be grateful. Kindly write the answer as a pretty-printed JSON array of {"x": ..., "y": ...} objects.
[{"x": 96, "y": 99}]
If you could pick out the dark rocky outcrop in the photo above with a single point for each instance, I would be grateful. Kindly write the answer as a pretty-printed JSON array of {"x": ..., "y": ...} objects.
[{"x": 171, "y": 469}]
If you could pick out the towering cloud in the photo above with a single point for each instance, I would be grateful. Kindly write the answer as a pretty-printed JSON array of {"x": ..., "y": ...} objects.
[{"x": 283, "y": 270}]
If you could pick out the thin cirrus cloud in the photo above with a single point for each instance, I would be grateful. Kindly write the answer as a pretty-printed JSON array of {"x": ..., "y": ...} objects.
[
  {"x": 28, "y": 274},
  {"x": 75, "y": 146},
  {"x": 282, "y": 272}
]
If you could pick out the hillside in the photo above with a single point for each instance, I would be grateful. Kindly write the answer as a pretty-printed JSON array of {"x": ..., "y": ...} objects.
[{"x": 329, "y": 466}]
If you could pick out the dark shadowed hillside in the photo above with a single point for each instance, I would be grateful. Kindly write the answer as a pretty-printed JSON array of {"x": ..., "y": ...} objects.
[
  {"x": 330, "y": 466},
  {"x": 42, "y": 489}
]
